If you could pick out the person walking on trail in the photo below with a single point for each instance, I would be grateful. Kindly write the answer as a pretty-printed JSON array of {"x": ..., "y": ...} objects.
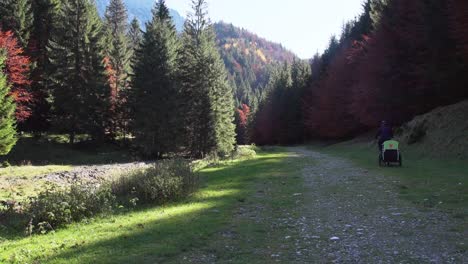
[{"x": 385, "y": 133}]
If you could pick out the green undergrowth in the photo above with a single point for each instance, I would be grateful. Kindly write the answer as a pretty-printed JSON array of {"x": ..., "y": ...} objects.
[
  {"x": 428, "y": 182},
  {"x": 157, "y": 234}
]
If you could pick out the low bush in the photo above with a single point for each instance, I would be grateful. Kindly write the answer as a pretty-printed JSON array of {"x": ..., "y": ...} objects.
[
  {"x": 59, "y": 206},
  {"x": 5, "y": 164},
  {"x": 166, "y": 181},
  {"x": 245, "y": 152},
  {"x": 11, "y": 215}
]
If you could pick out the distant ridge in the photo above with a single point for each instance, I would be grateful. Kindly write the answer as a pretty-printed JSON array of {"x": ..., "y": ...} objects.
[{"x": 141, "y": 9}]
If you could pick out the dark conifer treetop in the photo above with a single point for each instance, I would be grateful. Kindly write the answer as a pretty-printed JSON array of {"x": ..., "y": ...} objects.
[
  {"x": 16, "y": 15},
  {"x": 116, "y": 17}
]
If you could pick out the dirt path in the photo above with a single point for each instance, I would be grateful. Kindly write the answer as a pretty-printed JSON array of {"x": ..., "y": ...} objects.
[
  {"x": 342, "y": 214},
  {"x": 351, "y": 216}
]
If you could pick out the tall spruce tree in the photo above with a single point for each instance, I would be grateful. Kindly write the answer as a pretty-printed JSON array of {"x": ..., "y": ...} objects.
[
  {"x": 154, "y": 93},
  {"x": 77, "y": 71},
  {"x": 119, "y": 52},
  {"x": 135, "y": 34},
  {"x": 7, "y": 112},
  {"x": 119, "y": 49},
  {"x": 16, "y": 15},
  {"x": 45, "y": 17},
  {"x": 208, "y": 99}
]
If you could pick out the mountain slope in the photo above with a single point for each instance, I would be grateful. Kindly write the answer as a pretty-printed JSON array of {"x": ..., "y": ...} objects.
[
  {"x": 441, "y": 133},
  {"x": 141, "y": 9},
  {"x": 250, "y": 60}
]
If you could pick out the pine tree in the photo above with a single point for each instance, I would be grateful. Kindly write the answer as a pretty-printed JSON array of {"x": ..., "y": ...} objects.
[
  {"x": 378, "y": 9},
  {"x": 119, "y": 50},
  {"x": 77, "y": 70},
  {"x": 134, "y": 34},
  {"x": 7, "y": 112},
  {"x": 154, "y": 94},
  {"x": 209, "y": 103},
  {"x": 116, "y": 17},
  {"x": 16, "y": 15},
  {"x": 45, "y": 17},
  {"x": 119, "y": 53}
]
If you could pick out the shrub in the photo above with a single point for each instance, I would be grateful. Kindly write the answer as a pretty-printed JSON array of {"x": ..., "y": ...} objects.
[
  {"x": 245, "y": 152},
  {"x": 11, "y": 215},
  {"x": 5, "y": 164},
  {"x": 166, "y": 181},
  {"x": 57, "y": 206}
]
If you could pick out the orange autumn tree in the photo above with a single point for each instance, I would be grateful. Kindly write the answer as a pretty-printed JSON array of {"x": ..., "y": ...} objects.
[
  {"x": 114, "y": 103},
  {"x": 242, "y": 122}
]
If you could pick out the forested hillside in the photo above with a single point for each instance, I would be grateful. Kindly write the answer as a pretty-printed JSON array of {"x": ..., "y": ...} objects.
[
  {"x": 250, "y": 61},
  {"x": 397, "y": 60}
]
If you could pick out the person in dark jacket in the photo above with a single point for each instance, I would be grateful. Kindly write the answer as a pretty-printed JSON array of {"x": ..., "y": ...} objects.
[{"x": 385, "y": 133}]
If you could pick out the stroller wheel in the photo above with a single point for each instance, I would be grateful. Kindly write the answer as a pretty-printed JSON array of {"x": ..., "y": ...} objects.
[{"x": 400, "y": 161}]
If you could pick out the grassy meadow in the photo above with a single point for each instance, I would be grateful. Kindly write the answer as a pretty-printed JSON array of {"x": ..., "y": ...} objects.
[{"x": 165, "y": 234}]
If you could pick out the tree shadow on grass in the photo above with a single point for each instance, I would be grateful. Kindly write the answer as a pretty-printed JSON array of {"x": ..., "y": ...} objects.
[
  {"x": 32, "y": 151},
  {"x": 159, "y": 234}
]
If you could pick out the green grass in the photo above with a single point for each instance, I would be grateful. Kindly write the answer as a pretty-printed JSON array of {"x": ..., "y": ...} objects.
[
  {"x": 427, "y": 182},
  {"x": 163, "y": 234}
]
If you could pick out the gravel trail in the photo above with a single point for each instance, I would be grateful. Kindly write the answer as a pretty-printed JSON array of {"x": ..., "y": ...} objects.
[
  {"x": 351, "y": 216},
  {"x": 343, "y": 214}
]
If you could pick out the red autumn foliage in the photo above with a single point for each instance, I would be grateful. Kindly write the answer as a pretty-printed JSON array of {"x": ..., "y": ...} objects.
[
  {"x": 386, "y": 75},
  {"x": 17, "y": 70},
  {"x": 114, "y": 113},
  {"x": 391, "y": 67},
  {"x": 112, "y": 82},
  {"x": 243, "y": 115},
  {"x": 242, "y": 122},
  {"x": 328, "y": 104}
]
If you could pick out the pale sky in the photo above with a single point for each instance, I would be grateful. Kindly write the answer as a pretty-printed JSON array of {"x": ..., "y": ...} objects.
[{"x": 302, "y": 26}]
